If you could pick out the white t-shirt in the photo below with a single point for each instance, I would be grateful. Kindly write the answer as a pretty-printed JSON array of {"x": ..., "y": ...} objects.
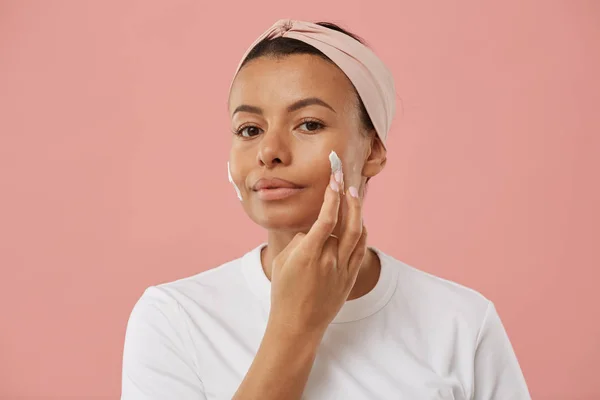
[{"x": 414, "y": 336}]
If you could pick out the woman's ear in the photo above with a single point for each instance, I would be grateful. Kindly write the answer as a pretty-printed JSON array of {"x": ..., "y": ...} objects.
[{"x": 376, "y": 158}]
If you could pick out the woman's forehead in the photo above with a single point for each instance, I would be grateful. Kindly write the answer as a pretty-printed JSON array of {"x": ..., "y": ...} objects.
[{"x": 279, "y": 80}]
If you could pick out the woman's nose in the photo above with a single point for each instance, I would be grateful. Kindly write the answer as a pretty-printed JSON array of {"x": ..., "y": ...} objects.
[{"x": 273, "y": 150}]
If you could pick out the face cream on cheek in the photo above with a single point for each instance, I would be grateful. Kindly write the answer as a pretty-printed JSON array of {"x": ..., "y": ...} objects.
[
  {"x": 336, "y": 163},
  {"x": 336, "y": 167},
  {"x": 237, "y": 190}
]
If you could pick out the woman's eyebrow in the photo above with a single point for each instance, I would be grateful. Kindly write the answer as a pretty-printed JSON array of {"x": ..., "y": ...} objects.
[
  {"x": 247, "y": 108},
  {"x": 309, "y": 101}
]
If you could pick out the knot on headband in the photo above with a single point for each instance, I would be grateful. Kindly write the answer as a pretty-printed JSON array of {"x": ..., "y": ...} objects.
[
  {"x": 371, "y": 78},
  {"x": 284, "y": 25}
]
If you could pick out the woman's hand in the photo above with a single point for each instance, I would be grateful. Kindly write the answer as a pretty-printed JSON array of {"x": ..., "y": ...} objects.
[{"x": 313, "y": 276}]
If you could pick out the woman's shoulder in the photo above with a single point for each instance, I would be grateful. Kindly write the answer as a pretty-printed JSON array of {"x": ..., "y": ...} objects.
[
  {"x": 213, "y": 285},
  {"x": 428, "y": 291}
]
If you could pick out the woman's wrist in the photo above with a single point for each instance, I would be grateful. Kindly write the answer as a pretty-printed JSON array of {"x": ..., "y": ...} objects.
[{"x": 285, "y": 335}]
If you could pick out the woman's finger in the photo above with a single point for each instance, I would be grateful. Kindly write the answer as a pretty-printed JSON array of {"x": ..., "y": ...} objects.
[
  {"x": 282, "y": 257},
  {"x": 329, "y": 254},
  {"x": 352, "y": 229},
  {"x": 292, "y": 245},
  {"x": 327, "y": 220},
  {"x": 358, "y": 254}
]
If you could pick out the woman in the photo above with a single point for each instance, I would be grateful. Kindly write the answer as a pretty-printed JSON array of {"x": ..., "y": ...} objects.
[{"x": 314, "y": 313}]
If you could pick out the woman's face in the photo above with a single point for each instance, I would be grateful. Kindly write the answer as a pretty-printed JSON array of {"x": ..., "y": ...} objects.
[{"x": 287, "y": 115}]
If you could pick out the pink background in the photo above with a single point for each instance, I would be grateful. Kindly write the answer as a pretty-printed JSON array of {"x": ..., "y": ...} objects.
[{"x": 114, "y": 139}]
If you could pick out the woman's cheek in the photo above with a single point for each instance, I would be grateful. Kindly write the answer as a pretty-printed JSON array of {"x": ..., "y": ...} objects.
[
  {"x": 314, "y": 155},
  {"x": 352, "y": 165}
]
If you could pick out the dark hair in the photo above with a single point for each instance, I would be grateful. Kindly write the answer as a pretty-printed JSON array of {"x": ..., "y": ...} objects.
[{"x": 282, "y": 47}]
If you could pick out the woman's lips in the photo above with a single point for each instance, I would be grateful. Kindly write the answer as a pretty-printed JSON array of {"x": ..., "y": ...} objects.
[
  {"x": 275, "y": 189},
  {"x": 277, "y": 193}
]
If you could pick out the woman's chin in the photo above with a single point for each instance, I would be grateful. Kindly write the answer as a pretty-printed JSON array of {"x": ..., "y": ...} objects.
[{"x": 284, "y": 220}]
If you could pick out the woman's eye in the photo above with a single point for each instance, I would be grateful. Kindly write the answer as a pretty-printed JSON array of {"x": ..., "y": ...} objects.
[
  {"x": 311, "y": 126},
  {"x": 248, "y": 131}
]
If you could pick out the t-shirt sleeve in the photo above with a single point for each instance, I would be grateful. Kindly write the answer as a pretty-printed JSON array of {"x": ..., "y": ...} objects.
[
  {"x": 498, "y": 375},
  {"x": 157, "y": 361}
]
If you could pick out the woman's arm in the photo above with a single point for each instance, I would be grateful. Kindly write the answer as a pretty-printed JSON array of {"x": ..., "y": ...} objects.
[{"x": 281, "y": 367}]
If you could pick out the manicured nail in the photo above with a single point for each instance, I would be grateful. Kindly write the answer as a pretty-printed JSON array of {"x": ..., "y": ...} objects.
[
  {"x": 334, "y": 185},
  {"x": 353, "y": 192},
  {"x": 339, "y": 177}
]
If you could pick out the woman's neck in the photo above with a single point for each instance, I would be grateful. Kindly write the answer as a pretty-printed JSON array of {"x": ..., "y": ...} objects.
[{"x": 366, "y": 280}]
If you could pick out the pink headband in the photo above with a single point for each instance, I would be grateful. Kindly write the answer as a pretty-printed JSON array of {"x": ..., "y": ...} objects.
[{"x": 371, "y": 78}]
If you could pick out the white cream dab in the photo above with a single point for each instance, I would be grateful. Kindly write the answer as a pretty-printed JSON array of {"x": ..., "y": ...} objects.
[
  {"x": 336, "y": 163},
  {"x": 237, "y": 190}
]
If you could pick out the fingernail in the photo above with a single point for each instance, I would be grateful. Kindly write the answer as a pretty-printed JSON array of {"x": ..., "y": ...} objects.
[
  {"x": 339, "y": 176},
  {"x": 334, "y": 185},
  {"x": 353, "y": 192}
]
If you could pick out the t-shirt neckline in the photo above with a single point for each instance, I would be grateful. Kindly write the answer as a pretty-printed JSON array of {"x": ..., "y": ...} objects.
[{"x": 352, "y": 310}]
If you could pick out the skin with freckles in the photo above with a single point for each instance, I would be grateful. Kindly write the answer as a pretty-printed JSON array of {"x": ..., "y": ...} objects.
[{"x": 287, "y": 115}]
